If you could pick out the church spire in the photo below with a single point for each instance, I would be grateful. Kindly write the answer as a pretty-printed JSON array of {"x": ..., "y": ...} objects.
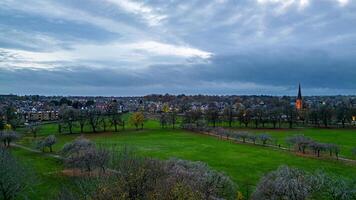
[
  {"x": 299, "y": 103},
  {"x": 299, "y": 92}
]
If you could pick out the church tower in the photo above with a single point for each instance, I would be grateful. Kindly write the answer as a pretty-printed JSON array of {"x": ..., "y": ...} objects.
[{"x": 299, "y": 102}]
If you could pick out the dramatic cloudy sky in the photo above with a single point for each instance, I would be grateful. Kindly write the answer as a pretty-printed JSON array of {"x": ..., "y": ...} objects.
[{"x": 128, "y": 47}]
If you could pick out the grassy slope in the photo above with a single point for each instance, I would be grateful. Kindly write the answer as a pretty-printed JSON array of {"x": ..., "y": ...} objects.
[{"x": 45, "y": 170}]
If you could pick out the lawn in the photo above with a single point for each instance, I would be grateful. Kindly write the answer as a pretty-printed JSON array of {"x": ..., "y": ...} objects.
[
  {"x": 345, "y": 138},
  {"x": 46, "y": 180},
  {"x": 245, "y": 163}
]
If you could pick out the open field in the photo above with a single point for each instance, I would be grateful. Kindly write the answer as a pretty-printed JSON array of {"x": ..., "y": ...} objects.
[
  {"x": 245, "y": 163},
  {"x": 345, "y": 138}
]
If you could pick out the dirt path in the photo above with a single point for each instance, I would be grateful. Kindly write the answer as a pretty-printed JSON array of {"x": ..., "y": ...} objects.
[{"x": 37, "y": 151}]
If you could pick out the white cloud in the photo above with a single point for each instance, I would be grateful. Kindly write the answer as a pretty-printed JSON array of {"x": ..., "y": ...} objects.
[
  {"x": 139, "y": 54},
  {"x": 151, "y": 16},
  {"x": 54, "y": 10},
  {"x": 343, "y": 2}
]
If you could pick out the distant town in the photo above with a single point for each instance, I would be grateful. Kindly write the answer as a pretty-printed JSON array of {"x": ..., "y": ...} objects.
[{"x": 313, "y": 110}]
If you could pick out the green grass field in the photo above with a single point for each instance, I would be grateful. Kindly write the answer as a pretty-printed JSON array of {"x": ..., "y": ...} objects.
[
  {"x": 244, "y": 163},
  {"x": 345, "y": 138},
  {"x": 46, "y": 180}
]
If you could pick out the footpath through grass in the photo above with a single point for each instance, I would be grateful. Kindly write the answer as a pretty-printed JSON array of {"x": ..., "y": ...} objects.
[{"x": 245, "y": 163}]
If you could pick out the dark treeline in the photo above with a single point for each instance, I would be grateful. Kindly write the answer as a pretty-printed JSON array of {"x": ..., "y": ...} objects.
[{"x": 277, "y": 117}]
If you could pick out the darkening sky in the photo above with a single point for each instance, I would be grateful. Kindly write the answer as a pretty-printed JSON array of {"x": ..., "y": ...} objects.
[{"x": 127, "y": 47}]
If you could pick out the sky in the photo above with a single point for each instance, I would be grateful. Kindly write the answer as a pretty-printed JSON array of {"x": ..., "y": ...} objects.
[{"x": 222, "y": 47}]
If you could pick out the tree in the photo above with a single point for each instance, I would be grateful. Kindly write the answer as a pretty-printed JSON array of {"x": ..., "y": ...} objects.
[
  {"x": 8, "y": 136},
  {"x": 48, "y": 142},
  {"x": 242, "y": 135},
  {"x": 212, "y": 114},
  {"x": 173, "y": 117},
  {"x": 64, "y": 101},
  {"x": 326, "y": 114},
  {"x": 33, "y": 128},
  {"x": 245, "y": 116},
  {"x": 103, "y": 122},
  {"x": 144, "y": 178},
  {"x": 114, "y": 115},
  {"x": 314, "y": 116},
  {"x": 284, "y": 183},
  {"x": 275, "y": 116},
  {"x": 68, "y": 117},
  {"x": 2, "y": 123},
  {"x": 94, "y": 119},
  {"x": 83, "y": 154},
  {"x": 257, "y": 116},
  {"x": 137, "y": 119},
  {"x": 163, "y": 119},
  {"x": 13, "y": 117},
  {"x": 343, "y": 114},
  {"x": 264, "y": 137},
  {"x": 291, "y": 115},
  {"x": 252, "y": 138},
  {"x": 229, "y": 115},
  {"x": 14, "y": 178},
  {"x": 82, "y": 118},
  {"x": 300, "y": 141}
]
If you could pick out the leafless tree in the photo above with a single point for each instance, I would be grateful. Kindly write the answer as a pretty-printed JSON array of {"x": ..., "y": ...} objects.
[
  {"x": 48, "y": 142},
  {"x": 284, "y": 183},
  {"x": 264, "y": 137},
  {"x": 83, "y": 154},
  {"x": 8, "y": 136}
]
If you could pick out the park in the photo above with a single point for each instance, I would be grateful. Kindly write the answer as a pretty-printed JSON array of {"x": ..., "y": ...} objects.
[{"x": 244, "y": 162}]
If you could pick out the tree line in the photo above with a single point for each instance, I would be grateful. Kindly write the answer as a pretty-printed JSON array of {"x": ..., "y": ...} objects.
[{"x": 275, "y": 117}]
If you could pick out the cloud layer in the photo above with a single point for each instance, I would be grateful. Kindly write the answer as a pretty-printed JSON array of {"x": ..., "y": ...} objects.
[{"x": 126, "y": 47}]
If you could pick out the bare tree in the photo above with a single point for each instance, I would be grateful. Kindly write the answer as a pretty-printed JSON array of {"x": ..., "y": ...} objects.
[
  {"x": 82, "y": 118},
  {"x": 48, "y": 142},
  {"x": 83, "y": 154},
  {"x": 264, "y": 137},
  {"x": 299, "y": 141},
  {"x": 33, "y": 128},
  {"x": 68, "y": 117},
  {"x": 8, "y": 136},
  {"x": 242, "y": 135},
  {"x": 94, "y": 119},
  {"x": 284, "y": 183}
]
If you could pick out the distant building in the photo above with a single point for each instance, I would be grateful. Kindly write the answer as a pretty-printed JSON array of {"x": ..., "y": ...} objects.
[{"x": 299, "y": 101}]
